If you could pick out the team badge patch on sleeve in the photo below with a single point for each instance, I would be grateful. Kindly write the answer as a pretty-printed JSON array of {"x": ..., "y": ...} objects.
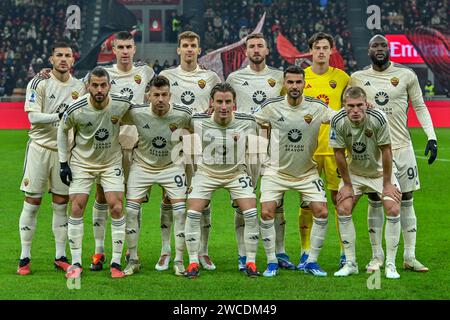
[
  {"x": 201, "y": 83},
  {"x": 33, "y": 96}
]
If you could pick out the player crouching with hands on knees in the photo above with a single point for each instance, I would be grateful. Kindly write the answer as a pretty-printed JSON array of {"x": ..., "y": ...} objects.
[{"x": 364, "y": 133}]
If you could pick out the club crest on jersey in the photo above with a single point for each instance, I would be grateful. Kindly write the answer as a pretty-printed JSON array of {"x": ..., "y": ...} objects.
[
  {"x": 26, "y": 182},
  {"x": 333, "y": 84},
  {"x": 368, "y": 132},
  {"x": 173, "y": 127},
  {"x": 201, "y": 83},
  {"x": 75, "y": 95},
  {"x": 138, "y": 79},
  {"x": 308, "y": 118},
  {"x": 271, "y": 82},
  {"x": 324, "y": 98},
  {"x": 115, "y": 119},
  {"x": 395, "y": 81}
]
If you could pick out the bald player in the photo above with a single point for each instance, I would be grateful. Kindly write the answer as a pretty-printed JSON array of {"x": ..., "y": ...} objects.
[{"x": 390, "y": 87}]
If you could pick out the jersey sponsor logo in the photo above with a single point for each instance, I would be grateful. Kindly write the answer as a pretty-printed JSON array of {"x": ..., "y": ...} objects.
[
  {"x": 127, "y": 92},
  {"x": 33, "y": 96},
  {"x": 173, "y": 127},
  {"x": 245, "y": 83},
  {"x": 333, "y": 84},
  {"x": 308, "y": 118},
  {"x": 367, "y": 84},
  {"x": 381, "y": 98},
  {"x": 137, "y": 79},
  {"x": 368, "y": 132},
  {"x": 52, "y": 96},
  {"x": 271, "y": 82},
  {"x": 395, "y": 81},
  {"x": 201, "y": 83},
  {"x": 101, "y": 134},
  {"x": 75, "y": 95},
  {"x": 188, "y": 97},
  {"x": 62, "y": 107},
  {"x": 294, "y": 135},
  {"x": 359, "y": 147},
  {"x": 259, "y": 97},
  {"x": 324, "y": 98},
  {"x": 115, "y": 119},
  {"x": 159, "y": 142}
]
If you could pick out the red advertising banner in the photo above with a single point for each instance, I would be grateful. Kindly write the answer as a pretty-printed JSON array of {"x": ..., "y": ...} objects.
[{"x": 402, "y": 50}]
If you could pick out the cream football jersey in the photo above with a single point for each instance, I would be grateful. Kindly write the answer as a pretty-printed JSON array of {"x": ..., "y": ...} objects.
[
  {"x": 131, "y": 84},
  {"x": 159, "y": 144},
  {"x": 254, "y": 88},
  {"x": 96, "y": 133},
  {"x": 191, "y": 89},
  {"x": 50, "y": 96},
  {"x": 361, "y": 141},
  {"x": 293, "y": 134},
  {"x": 221, "y": 150},
  {"x": 390, "y": 91}
]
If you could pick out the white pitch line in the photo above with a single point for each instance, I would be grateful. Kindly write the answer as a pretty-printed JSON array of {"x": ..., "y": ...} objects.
[{"x": 444, "y": 160}]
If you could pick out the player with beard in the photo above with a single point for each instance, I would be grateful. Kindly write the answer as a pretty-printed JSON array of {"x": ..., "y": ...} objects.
[
  {"x": 294, "y": 122},
  {"x": 254, "y": 84},
  {"x": 390, "y": 86},
  {"x": 96, "y": 156},
  {"x": 45, "y": 103}
]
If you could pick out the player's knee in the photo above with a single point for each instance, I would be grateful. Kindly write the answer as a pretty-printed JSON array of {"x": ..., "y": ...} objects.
[
  {"x": 267, "y": 214},
  {"x": 344, "y": 210},
  {"x": 77, "y": 210},
  {"x": 407, "y": 196},
  {"x": 33, "y": 201},
  {"x": 321, "y": 212},
  {"x": 392, "y": 209},
  {"x": 116, "y": 210}
]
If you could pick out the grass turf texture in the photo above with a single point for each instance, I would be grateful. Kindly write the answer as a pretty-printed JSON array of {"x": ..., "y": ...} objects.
[{"x": 431, "y": 204}]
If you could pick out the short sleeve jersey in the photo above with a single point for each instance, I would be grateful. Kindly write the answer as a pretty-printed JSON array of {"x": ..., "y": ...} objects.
[
  {"x": 221, "y": 150},
  {"x": 96, "y": 133},
  {"x": 254, "y": 88},
  {"x": 390, "y": 91},
  {"x": 50, "y": 96},
  {"x": 191, "y": 89},
  {"x": 361, "y": 141},
  {"x": 293, "y": 134},
  {"x": 132, "y": 85},
  {"x": 159, "y": 136}
]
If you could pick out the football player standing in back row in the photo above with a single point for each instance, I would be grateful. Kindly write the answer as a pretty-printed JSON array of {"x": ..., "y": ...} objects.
[
  {"x": 254, "y": 84},
  {"x": 46, "y": 101},
  {"x": 327, "y": 84},
  {"x": 390, "y": 86},
  {"x": 129, "y": 79},
  {"x": 190, "y": 85}
]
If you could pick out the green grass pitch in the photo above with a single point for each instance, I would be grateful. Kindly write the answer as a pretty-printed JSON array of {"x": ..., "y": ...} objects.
[{"x": 431, "y": 203}]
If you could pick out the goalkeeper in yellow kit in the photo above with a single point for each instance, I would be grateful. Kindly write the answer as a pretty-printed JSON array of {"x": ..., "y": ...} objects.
[{"x": 327, "y": 84}]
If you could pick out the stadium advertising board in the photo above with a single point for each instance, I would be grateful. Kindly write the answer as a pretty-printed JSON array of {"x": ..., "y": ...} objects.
[{"x": 402, "y": 50}]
